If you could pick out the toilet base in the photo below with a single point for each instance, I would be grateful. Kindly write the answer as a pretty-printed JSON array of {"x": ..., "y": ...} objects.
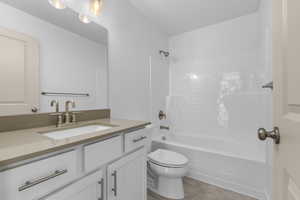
[{"x": 171, "y": 188}]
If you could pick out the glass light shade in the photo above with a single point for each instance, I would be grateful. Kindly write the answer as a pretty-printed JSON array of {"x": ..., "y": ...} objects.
[
  {"x": 84, "y": 19},
  {"x": 58, "y": 4},
  {"x": 96, "y": 6}
]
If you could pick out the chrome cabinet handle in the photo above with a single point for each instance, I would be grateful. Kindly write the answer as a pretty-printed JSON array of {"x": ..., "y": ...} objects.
[
  {"x": 102, "y": 189},
  {"x": 139, "y": 139},
  {"x": 114, "y": 189},
  {"x": 29, "y": 184}
]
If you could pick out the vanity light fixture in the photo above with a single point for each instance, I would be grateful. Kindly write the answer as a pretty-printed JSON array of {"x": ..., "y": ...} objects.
[
  {"x": 96, "y": 7},
  {"x": 58, "y": 4},
  {"x": 84, "y": 18}
]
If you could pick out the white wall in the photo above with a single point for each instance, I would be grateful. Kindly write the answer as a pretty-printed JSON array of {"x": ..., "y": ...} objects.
[
  {"x": 68, "y": 62},
  {"x": 134, "y": 43},
  {"x": 216, "y": 74}
]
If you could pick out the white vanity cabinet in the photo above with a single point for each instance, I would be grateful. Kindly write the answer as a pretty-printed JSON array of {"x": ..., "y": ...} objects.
[
  {"x": 127, "y": 177},
  {"x": 102, "y": 170},
  {"x": 90, "y": 187},
  {"x": 33, "y": 180}
]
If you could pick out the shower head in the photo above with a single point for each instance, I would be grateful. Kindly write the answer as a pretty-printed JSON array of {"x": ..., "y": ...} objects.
[{"x": 164, "y": 53}]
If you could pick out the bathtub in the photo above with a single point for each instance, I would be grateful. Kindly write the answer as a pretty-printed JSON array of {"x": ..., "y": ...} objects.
[{"x": 217, "y": 161}]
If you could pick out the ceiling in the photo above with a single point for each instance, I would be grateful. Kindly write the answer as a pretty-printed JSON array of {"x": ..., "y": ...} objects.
[
  {"x": 178, "y": 16},
  {"x": 67, "y": 18},
  {"x": 172, "y": 16}
]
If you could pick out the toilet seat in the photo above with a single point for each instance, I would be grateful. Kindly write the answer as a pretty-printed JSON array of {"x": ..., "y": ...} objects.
[{"x": 168, "y": 158}]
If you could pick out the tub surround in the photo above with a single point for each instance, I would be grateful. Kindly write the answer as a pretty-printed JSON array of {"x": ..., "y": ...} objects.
[
  {"x": 25, "y": 144},
  {"x": 216, "y": 82}
]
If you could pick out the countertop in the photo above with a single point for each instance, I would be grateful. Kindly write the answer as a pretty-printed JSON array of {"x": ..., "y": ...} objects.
[{"x": 24, "y": 144}]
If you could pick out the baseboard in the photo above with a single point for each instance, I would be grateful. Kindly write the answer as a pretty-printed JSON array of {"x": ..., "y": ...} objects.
[{"x": 235, "y": 187}]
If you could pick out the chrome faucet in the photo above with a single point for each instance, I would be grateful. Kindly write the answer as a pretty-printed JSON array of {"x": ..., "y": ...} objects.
[
  {"x": 59, "y": 116},
  {"x": 67, "y": 114},
  {"x": 56, "y": 104}
]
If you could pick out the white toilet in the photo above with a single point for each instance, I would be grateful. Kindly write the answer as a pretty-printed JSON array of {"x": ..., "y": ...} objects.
[{"x": 169, "y": 167}]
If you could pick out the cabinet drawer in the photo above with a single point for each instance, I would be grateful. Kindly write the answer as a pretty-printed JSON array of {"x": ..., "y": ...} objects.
[
  {"x": 135, "y": 139},
  {"x": 31, "y": 181},
  {"x": 90, "y": 187},
  {"x": 100, "y": 153}
]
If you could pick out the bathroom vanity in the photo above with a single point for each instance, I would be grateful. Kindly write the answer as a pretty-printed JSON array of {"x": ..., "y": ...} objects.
[{"x": 104, "y": 165}]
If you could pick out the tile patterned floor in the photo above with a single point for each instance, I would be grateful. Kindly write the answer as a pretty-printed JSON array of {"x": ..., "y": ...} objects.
[{"x": 195, "y": 190}]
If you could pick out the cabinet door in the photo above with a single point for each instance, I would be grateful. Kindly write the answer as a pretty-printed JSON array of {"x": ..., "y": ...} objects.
[
  {"x": 127, "y": 177},
  {"x": 88, "y": 188},
  {"x": 19, "y": 73}
]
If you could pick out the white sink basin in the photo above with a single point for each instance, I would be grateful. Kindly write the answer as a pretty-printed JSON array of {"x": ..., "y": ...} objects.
[{"x": 67, "y": 133}]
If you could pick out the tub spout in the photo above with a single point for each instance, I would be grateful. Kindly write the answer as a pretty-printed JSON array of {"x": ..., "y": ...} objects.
[{"x": 164, "y": 128}]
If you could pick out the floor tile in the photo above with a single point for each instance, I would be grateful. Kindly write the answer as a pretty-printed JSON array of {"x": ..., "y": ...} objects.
[{"x": 196, "y": 190}]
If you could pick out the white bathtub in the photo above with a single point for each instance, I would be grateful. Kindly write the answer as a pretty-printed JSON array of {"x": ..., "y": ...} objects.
[{"x": 218, "y": 162}]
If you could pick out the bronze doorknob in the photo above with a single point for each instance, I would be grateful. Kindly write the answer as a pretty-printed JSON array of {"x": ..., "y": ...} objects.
[
  {"x": 34, "y": 109},
  {"x": 263, "y": 134}
]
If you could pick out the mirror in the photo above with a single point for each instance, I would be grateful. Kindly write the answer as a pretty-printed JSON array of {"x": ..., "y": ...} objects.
[{"x": 49, "y": 54}]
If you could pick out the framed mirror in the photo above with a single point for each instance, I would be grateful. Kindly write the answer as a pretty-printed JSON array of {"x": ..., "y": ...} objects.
[{"x": 48, "y": 54}]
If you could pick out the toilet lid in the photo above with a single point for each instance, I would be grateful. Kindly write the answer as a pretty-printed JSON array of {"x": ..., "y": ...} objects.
[{"x": 167, "y": 158}]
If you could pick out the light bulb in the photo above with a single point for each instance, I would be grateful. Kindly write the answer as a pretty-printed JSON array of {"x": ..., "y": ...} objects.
[
  {"x": 96, "y": 6},
  {"x": 58, "y": 4},
  {"x": 84, "y": 19}
]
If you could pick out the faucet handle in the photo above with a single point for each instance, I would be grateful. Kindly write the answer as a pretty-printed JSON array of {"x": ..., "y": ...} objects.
[
  {"x": 59, "y": 116},
  {"x": 162, "y": 115},
  {"x": 74, "y": 117}
]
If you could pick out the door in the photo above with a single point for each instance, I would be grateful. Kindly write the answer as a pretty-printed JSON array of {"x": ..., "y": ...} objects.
[
  {"x": 286, "y": 66},
  {"x": 19, "y": 73},
  {"x": 88, "y": 188},
  {"x": 127, "y": 177}
]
